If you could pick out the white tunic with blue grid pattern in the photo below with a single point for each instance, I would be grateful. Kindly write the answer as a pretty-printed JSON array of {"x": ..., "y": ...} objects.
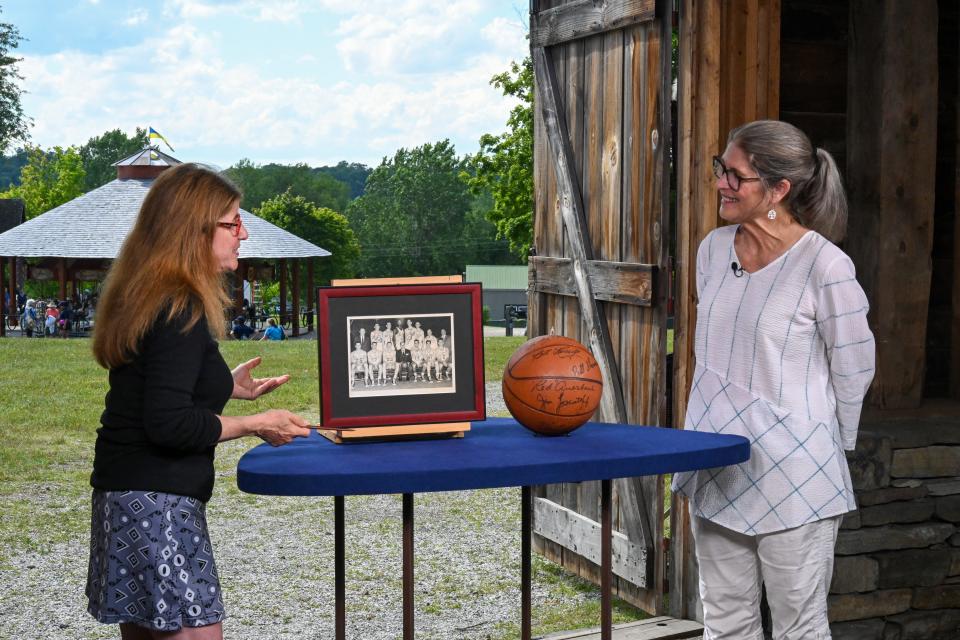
[{"x": 784, "y": 357}]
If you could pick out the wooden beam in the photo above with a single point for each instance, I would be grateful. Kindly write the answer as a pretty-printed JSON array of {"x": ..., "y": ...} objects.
[
  {"x": 584, "y": 18},
  {"x": 623, "y": 282},
  {"x": 729, "y": 73},
  {"x": 571, "y": 210},
  {"x": 891, "y": 168},
  {"x": 955, "y": 337}
]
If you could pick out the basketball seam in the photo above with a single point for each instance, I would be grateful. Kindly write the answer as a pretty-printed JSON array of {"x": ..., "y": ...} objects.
[
  {"x": 532, "y": 351},
  {"x": 594, "y": 380}
]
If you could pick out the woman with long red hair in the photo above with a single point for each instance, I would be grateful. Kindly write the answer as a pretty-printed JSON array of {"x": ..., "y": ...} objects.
[{"x": 161, "y": 312}]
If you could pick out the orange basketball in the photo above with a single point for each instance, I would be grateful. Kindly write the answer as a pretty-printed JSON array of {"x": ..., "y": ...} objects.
[{"x": 552, "y": 385}]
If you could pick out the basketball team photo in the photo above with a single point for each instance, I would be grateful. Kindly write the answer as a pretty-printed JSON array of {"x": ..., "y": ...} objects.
[{"x": 410, "y": 355}]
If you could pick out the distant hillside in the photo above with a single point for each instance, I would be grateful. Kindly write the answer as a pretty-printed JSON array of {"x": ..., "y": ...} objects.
[
  {"x": 353, "y": 174},
  {"x": 10, "y": 169}
]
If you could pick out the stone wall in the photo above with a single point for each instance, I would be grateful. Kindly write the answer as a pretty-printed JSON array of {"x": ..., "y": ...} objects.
[{"x": 897, "y": 567}]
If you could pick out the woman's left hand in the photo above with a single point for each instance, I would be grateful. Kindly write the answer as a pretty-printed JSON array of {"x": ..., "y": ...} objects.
[{"x": 246, "y": 387}]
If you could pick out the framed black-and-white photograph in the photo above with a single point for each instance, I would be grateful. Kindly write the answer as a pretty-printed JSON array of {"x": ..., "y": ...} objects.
[{"x": 400, "y": 354}]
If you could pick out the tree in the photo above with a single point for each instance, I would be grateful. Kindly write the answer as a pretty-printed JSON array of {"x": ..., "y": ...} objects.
[
  {"x": 260, "y": 183},
  {"x": 13, "y": 123},
  {"x": 504, "y": 163},
  {"x": 321, "y": 226},
  {"x": 413, "y": 216},
  {"x": 353, "y": 174},
  {"x": 100, "y": 152},
  {"x": 49, "y": 179}
]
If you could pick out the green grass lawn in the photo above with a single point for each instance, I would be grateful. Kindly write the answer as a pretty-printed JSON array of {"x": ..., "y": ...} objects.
[{"x": 51, "y": 396}]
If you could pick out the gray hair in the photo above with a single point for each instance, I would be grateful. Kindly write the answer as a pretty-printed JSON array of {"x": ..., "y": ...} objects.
[{"x": 780, "y": 151}]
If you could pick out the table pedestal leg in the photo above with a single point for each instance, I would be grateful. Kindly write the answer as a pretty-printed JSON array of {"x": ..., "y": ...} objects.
[
  {"x": 606, "y": 563},
  {"x": 525, "y": 581},
  {"x": 340, "y": 615},
  {"x": 408, "y": 566}
]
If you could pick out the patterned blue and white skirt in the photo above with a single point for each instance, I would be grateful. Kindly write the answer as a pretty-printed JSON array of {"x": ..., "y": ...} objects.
[{"x": 151, "y": 562}]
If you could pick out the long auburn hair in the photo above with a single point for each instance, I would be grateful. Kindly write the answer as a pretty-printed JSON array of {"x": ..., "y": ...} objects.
[{"x": 166, "y": 264}]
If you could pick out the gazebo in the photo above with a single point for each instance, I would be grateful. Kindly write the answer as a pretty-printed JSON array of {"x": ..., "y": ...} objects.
[{"x": 76, "y": 241}]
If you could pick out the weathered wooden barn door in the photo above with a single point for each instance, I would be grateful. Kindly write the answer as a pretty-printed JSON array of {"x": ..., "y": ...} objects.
[{"x": 599, "y": 272}]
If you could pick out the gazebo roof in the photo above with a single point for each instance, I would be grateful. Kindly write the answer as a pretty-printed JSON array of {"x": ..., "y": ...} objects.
[{"x": 95, "y": 224}]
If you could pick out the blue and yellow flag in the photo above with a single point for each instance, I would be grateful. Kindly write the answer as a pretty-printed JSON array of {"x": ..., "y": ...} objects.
[{"x": 156, "y": 134}]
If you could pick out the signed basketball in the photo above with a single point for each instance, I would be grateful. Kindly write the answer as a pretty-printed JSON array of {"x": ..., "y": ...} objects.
[{"x": 552, "y": 385}]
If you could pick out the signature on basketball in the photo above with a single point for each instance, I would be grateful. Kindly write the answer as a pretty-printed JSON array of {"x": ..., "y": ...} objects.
[
  {"x": 561, "y": 385},
  {"x": 544, "y": 402},
  {"x": 577, "y": 402},
  {"x": 560, "y": 352},
  {"x": 581, "y": 368}
]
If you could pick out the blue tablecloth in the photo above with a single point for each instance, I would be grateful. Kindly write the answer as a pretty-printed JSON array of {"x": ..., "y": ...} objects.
[{"x": 494, "y": 453}]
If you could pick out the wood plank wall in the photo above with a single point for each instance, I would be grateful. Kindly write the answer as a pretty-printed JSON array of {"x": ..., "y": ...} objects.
[
  {"x": 611, "y": 118},
  {"x": 729, "y": 74}
]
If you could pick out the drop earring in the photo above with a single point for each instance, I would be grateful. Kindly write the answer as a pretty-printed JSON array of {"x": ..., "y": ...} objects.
[{"x": 772, "y": 214}]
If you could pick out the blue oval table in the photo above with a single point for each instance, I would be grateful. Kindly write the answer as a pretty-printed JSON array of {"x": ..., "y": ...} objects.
[{"x": 495, "y": 453}]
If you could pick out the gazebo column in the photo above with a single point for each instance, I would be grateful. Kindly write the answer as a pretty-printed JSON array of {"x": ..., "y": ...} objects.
[
  {"x": 238, "y": 278},
  {"x": 282, "y": 275},
  {"x": 296, "y": 297},
  {"x": 13, "y": 282},
  {"x": 3, "y": 303},
  {"x": 62, "y": 277},
  {"x": 311, "y": 288}
]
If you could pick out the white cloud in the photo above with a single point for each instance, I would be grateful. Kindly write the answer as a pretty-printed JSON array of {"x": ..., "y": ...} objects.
[
  {"x": 272, "y": 11},
  {"x": 136, "y": 17},
  {"x": 385, "y": 37},
  {"x": 506, "y": 36}
]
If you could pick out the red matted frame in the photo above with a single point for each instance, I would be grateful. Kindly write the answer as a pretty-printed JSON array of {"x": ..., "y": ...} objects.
[{"x": 396, "y": 301}]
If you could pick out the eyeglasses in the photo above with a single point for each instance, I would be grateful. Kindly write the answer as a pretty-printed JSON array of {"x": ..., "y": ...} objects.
[
  {"x": 734, "y": 180},
  {"x": 234, "y": 226}
]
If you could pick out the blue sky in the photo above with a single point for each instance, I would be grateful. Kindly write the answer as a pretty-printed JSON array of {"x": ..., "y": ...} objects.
[{"x": 313, "y": 81}]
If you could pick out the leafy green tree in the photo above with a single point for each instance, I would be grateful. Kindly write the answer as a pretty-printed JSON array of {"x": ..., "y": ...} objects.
[
  {"x": 100, "y": 152},
  {"x": 412, "y": 218},
  {"x": 504, "y": 163},
  {"x": 353, "y": 174},
  {"x": 260, "y": 183},
  {"x": 321, "y": 226},
  {"x": 483, "y": 244},
  {"x": 13, "y": 123},
  {"x": 49, "y": 179}
]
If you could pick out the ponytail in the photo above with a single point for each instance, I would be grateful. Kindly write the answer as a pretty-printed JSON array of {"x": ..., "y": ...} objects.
[{"x": 780, "y": 151}]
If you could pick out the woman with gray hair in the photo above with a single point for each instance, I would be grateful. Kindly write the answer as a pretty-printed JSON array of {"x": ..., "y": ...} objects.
[{"x": 784, "y": 357}]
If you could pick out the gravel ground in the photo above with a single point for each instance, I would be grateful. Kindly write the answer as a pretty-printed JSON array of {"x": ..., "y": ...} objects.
[{"x": 275, "y": 557}]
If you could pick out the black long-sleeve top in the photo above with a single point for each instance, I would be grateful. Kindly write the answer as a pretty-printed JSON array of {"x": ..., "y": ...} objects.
[{"x": 160, "y": 425}]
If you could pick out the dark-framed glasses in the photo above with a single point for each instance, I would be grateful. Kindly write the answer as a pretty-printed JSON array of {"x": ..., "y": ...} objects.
[
  {"x": 234, "y": 226},
  {"x": 734, "y": 180}
]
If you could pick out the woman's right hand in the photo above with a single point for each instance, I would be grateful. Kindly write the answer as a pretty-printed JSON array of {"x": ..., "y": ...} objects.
[{"x": 279, "y": 427}]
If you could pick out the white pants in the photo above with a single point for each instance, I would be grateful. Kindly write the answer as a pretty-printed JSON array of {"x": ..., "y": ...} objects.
[{"x": 795, "y": 566}]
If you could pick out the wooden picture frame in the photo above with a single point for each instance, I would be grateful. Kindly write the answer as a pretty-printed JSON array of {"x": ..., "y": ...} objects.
[{"x": 427, "y": 389}]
